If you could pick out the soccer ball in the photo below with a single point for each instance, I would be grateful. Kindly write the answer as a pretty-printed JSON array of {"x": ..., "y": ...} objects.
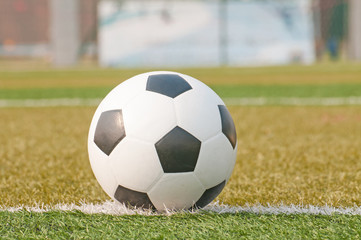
[{"x": 162, "y": 140}]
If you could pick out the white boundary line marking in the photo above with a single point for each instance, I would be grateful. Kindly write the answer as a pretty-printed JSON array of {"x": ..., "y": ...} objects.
[
  {"x": 114, "y": 208},
  {"x": 295, "y": 101},
  {"x": 258, "y": 101},
  {"x": 49, "y": 102}
]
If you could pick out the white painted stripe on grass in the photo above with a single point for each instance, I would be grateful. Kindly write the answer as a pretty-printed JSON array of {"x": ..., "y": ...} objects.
[
  {"x": 49, "y": 102},
  {"x": 261, "y": 101},
  {"x": 294, "y": 101},
  {"x": 114, "y": 208},
  {"x": 108, "y": 207},
  {"x": 284, "y": 209}
]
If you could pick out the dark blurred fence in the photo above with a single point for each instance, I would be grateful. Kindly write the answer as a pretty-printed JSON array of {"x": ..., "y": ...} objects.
[
  {"x": 331, "y": 27},
  {"x": 25, "y": 28}
]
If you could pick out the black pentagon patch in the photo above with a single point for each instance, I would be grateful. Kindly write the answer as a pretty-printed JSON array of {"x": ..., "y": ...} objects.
[
  {"x": 133, "y": 198},
  {"x": 109, "y": 130},
  {"x": 178, "y": 151},
  {"x": 209, "y": 195},
  {"x": 170, "y": 85},
  {"x": 228, "y": 127}
]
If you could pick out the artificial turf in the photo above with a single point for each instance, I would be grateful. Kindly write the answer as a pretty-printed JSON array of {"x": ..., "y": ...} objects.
[
  {"x": 77, "y": 225},
  {"x": 330, "y": 80},
  {"x": 289, "y": 155},
  {"x": 98, "y": 77},
  {"x": 286, "y": 155},
  {"x": 224, "y": 91}
]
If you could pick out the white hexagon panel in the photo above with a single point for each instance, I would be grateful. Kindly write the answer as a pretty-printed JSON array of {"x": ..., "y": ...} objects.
[
  {"x": 102, "y": 171},
  {"x": 216, "y": 157},
  {"x": 149, "y": 116},
  {"x": 134, "y": 164},
  {"x": 176, "y": 191},
  {"x": 200, "y": 103}
]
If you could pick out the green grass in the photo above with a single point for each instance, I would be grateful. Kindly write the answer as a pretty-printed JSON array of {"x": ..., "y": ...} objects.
[
  {"x": 76, "y": 225},
  {"x": 289, "y": 155},
  {"x": 53, "y": 93},
  {"x": 225, "y": 91},
  {"x": 329, "y": 80},
  {"x": 286, "y": 155},
  {"x": 95, "y": 77},
  {"x": 332, "y": 90}
]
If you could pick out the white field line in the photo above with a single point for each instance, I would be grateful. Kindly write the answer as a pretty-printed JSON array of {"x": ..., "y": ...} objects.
[
  {"x": 114, "y": 208},
  {"x": 295, "y": 101},
  {"x": 57, "y": 102},
  {"x": 258, "y": 101}
]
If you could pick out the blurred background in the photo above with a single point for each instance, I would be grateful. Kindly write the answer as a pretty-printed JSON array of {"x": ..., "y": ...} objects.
[{"x": 179, "y": 33}]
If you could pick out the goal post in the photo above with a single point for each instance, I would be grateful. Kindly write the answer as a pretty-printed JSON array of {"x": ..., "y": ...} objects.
[
  {"x": 64, "y": 32},
  {"x": 354, "y": 45}
]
